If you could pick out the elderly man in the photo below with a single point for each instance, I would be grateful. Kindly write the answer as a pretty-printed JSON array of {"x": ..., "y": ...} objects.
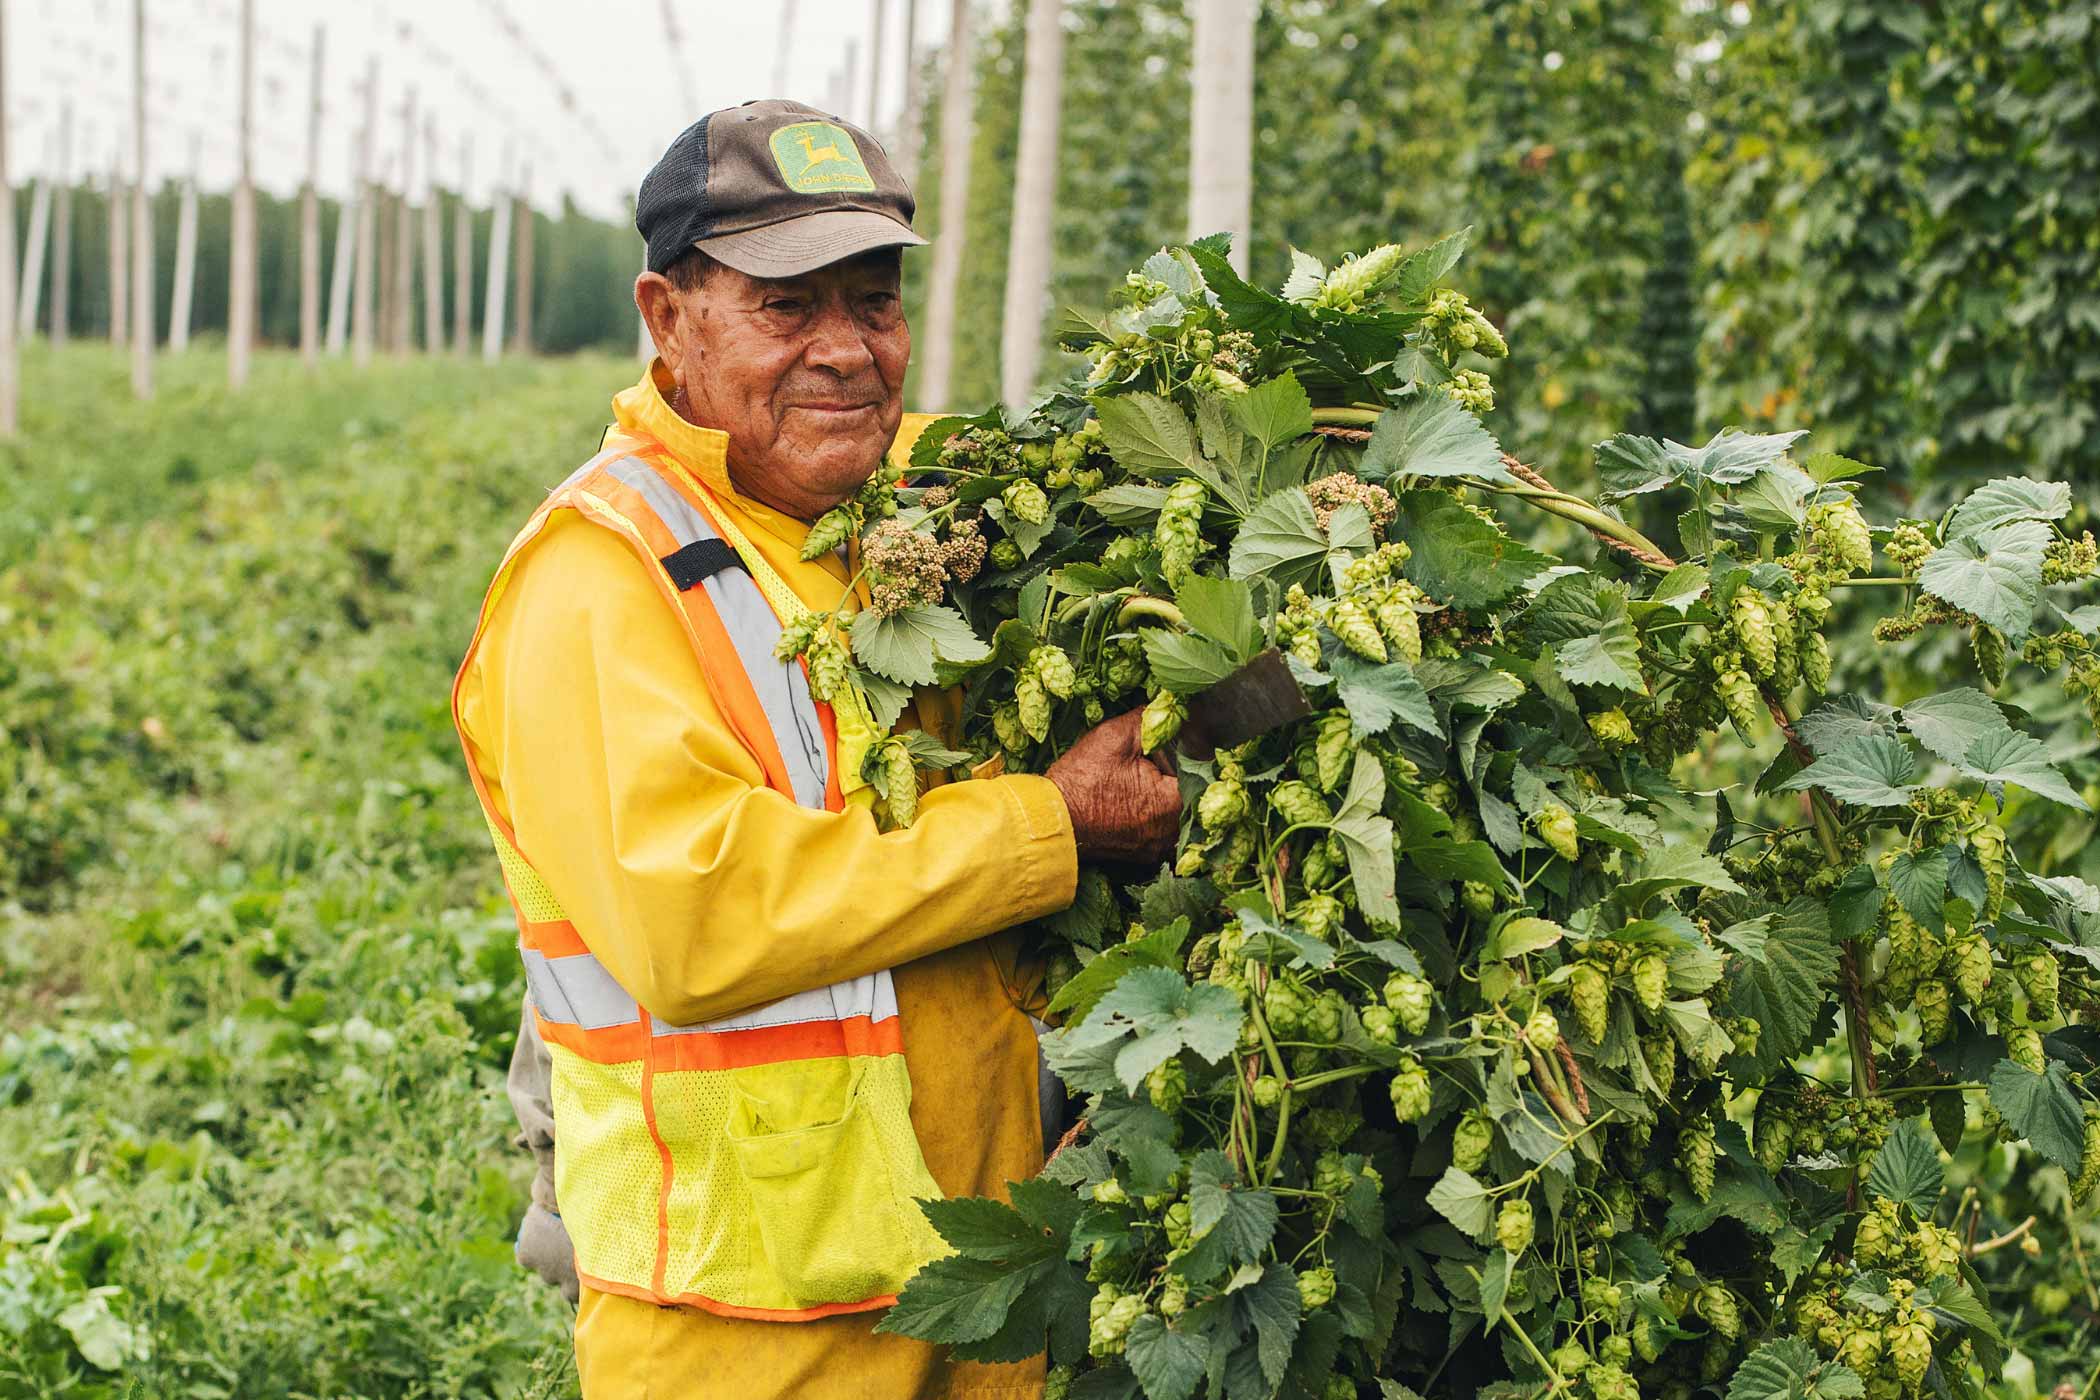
[{"x": 768, "y": 1027}]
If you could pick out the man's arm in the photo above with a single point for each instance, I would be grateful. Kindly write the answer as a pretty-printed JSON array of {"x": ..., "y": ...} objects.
[{"x": 703, "y": 891}]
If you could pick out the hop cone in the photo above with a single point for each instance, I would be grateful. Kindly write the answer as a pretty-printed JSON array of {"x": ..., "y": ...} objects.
[
  {"x": 901, "y": 778},
  {"x": 1651, "y": 980},
  {"x": 1402, "y": 627},
  {"x": 1298, "y": 804},
  {"x": 1815, "y": 661},
  {"x": 2088, "y": 1161},
  {"x": 1660, "y": 1051},
  {"x": 1988, "y": 645},
  {"x": 1935, "y": 1008},
  {"x": 1753, "y": 628},
  {"x": 1695, "y": 1154},
  {"x": 1910, "y": 1348},
  {"x": 1839, "y": 530},
  {"x": 796, "y": 636},
  {"x": 1345, "y": 288},
  {"x": 1718, "y": 1306},
  {"x": 826, "y": 660},
  {"x": 2039, "y": 976},
  {"x": 1590, "y": 990},
  {"x": 1987, "y": 844},
  {"x": 1223, "y": 803},
  {"x": 1164, "y": 713},
  {"x": 1320, "y": 915},
  {"x": 1556, "y": 827},
  {"x": 1411, "y": 999},
  {"x": 1352, "y": 622},
  {"x": 1513, "y": 1226},
  {"x": 1026, "y": 502},
  {"x": 1410, "y": 1091},
  {"x": 1774, "y": 1132},
  {"x": 1179, "y": 530},
  {"x": 1006, "y": 725},
  {"x": 1333, "y": 745},
  {"x": 1033, "y": 703},
  {"x": 1542, "y": 1031},
  {"x": 2023, "y": 1046},
  {"x": 1972, "y": 968},
  {"x": 1739, "y": 694},
  {"x": 1054, "y": 669},
  {"x": 1471, "y": 1141},
  {"x": 833, "y": 528}
]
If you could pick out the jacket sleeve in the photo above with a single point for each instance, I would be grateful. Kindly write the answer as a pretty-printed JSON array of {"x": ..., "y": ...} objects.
[{"x": 702, "y": 890}]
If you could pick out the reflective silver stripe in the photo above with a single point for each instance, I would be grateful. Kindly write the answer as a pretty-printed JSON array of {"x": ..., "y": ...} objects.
[
  {"x": 873, "y": 996},
  {"x": 791, "y": 712},
  {"x": 782, "y": 688},
  {"x": 577, "y": 991}
]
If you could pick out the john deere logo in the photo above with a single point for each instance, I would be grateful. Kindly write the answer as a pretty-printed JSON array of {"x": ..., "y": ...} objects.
[{"x": 818, "y": 158}]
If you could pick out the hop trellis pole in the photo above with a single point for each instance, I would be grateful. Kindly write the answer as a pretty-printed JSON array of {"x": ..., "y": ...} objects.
[
  {"x": 142, "y": 320},
  {"x": 310, "y": 217},
  {"x": 945, "y": 279},
  {"x": 241, "y": 301},
  {"x": 1221, "y": 123},
  {"x": 10, "y": 364},
  {"x": 1035, "y": 191}
]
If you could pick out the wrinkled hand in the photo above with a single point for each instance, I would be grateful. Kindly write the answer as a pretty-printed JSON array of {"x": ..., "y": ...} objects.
[{"x": 1124, "y": 805}]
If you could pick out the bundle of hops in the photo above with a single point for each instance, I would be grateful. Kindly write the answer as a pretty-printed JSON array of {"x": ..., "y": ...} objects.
[{"x": 1427, "y": 1058}]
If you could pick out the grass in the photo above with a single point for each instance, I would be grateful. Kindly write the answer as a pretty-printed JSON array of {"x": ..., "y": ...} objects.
[{"x": 257, "y": 973}]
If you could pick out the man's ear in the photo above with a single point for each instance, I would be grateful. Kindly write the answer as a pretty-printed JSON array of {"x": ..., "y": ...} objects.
[{"x": 657, "y": 300}]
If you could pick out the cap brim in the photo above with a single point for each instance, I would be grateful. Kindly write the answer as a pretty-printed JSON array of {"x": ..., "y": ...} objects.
[{"x": 796, "y": 246}]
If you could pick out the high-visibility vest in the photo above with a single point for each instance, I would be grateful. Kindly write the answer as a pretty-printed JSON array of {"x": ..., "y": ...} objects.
[{"x": 759, "y": 1166}]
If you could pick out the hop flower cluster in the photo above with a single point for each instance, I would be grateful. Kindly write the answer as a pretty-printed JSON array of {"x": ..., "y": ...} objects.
[
  {"x": 1330, "y": 493},
  {"x": 906, "y": 569}
]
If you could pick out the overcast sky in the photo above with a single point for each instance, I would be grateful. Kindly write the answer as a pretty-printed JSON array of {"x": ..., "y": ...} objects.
[{"x": 587, "y": 92}]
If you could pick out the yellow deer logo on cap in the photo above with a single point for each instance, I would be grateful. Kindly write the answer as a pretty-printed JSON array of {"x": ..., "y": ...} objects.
[{"x": 819, "y": 158}]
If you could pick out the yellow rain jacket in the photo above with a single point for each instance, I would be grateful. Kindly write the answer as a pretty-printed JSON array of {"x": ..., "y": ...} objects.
[{"x": 705, "y": 892}]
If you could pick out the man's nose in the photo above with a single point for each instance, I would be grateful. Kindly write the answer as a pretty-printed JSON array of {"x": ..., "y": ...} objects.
[{"x": 836, "y": 342}]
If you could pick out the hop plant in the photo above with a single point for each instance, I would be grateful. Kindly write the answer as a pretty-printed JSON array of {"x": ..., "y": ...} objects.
[
  {"x": 1839, "y": 531},
  {"x": 1054, "y": 669},
  {"x": 1471, "y": 1140},
  {"x": 1513, "y": 1225},
  {"x": 1411, "y": 999},
  {"x": 1299, "y": 805},
  {"x": 1025, "y": 502},
  {"x": 1162, "y": 719},
  {"x": 1815, "y": 661},
  {"x": 1222, "y": 804},
  {"x": 832, "y": 529},
  {"x": 906, "y": 569},
  {"x": 1167, "y": 1085},
  {"x": 1401, "y": 626},
  {"x": 1556, "y": 827},
  {"x": 900, "y": 782},
  {"x": 1590, "y": 990},
  {"x": 1352, "y": 622},
  {"x": 1179, "y": 529},
  {"x": 1333, "y": 744},
  {"x": 1109, "y": 1317},
  {"x": 1542, "y": 1031},
  {"x": 1718, "y": 1306},
  {"x": 1987, "y": 844},
  {"x": 1351, "y": 283},
  {"x": 1970, "y": 957},
  {"x": 2089, "y": 1159},
  {"x": 1032, "y": 702},
  {"x": 1935, "y": 1007},
  {"x": 1472, "y": 391},
  {"x": 1316, "y": 1288},
  {"x": 1739, "y": 694},
  {"x": 1651, "y": 981},
  {"x": 1753, "y": 630},
  {"x": 1611, "y": 728},
  {"x": 2039, "y": 978},
  {"x": 1659, "y": 1053},
  {"x": 1910, "y": 1349},
  {"x": 1409, "y": 1090},
  {"x": 1380, "y": 1024},
  {"x": 1695, "y": 1155}
]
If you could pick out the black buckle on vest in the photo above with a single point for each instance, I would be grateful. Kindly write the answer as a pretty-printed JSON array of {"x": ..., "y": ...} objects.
[{"x": 698, "y": 562}]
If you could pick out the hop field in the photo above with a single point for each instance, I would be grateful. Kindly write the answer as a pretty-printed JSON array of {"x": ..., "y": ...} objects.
[{"x": 257, "y": 980}]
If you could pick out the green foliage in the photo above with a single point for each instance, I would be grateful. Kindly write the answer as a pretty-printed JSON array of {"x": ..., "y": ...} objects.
[
  {"x": 1476, "y": 886},
  {"x": 260, "y": 982}
]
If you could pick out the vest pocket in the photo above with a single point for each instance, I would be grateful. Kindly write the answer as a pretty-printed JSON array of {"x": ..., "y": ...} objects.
[{"x": 824, "y": 1206}]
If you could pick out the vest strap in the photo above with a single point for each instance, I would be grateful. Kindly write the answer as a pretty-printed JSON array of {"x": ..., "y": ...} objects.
[{"x": 698, "y": 562}]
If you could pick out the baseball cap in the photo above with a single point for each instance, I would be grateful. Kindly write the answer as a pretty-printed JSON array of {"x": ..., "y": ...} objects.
[{"x": 773, "y": 189}]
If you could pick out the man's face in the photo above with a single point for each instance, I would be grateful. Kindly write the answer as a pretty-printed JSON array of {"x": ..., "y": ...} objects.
[{"x": 805, "y": 374}]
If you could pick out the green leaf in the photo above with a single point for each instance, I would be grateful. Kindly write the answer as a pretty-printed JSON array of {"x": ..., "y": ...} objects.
[
  {"x": 1160, "y": 947},
  {"x": 1584, "y": 619},
  {"x": 2043, "y": 1108},
  {"x": 1494, "y": 1284},
  {"x": 1274, "y": 411},
  {"x": 1304, "y": 281},
  {"x": 886, "y": 698},
  {"x": 1148, "y": 434},
  {"x": 1129, "y": 504},
  {"x": 1184, "y": 662},
  {"x": 1855, "y": 905},
  {"x": 990, "y": 1230},
  {"x": 1840, "y": 718},
  {"x": 1377, "y": 695},
  {"x": 1151, "y": 1015},
  {"x": 1872, "y": 770},
  {"x": 1827, "y": 467},
  {"x": 1781, "y": 981},
  {"x": 1919, "y": 881},
  {"x": 904, "y": 646},
  {"x": 1632, "y": 466},
  {"x": 956, "y": 1299},
  {"x": 1238, "y": 1217},
  {"x": 1367, "y": 837},
  {"x": 1167, "y": 1362},
  {"x": 1422, "y": 269},
  {"x": 1907, "y": 1169},
  {"x": 1462, "y": 1201},
  {"x": 1693, "y": 1024},
  {"x": 1430, "y": 435},
  {"x": 1671, "y": 867},
  {"x": 1222, "y": 610},
  {"x": 2010, "y": 757},
  {"x": 1994, "y": 573},
  {"x": 1680, "y": 588},
  {"x": 1457, "y": 555},
  {"x": 1775, "y": 500},
  {"x": 103, "y": 1339},
  {"x": 1248, "y": 307},
  {"x": 2006, "y": 499},
  {"x": 1790, "y": 1369},
  {"x": 1271, "y": 1307},
  {"x": 1949, "y": 724},
  {"x": 928, "y": 752},
  {"x": 1281, "y": 539},
  {"x": 1524, "y": 934}
]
